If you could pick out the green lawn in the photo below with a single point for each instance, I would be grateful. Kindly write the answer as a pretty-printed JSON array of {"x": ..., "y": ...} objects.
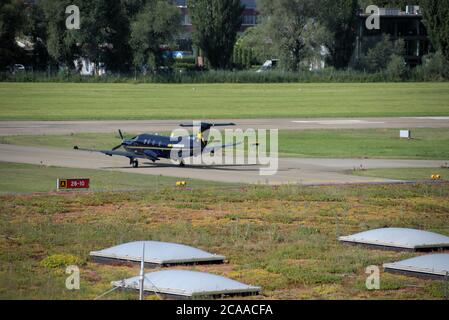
[
  {"x": 68, "y": 101},
  {"x": 406, "y": 174},
  {"x": 24, "y": 178},
  {"x": 371, "y": 143}
]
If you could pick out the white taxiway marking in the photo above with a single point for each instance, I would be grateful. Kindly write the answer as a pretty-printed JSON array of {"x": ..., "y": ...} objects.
[
  {"x": 429, "y": 118},
  {"x": 338, "y": 122}
]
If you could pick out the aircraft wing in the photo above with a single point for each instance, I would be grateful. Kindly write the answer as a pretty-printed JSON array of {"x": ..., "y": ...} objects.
[
  {"x": 113, "y": 153},
  {"x": 217, "y": 148}
]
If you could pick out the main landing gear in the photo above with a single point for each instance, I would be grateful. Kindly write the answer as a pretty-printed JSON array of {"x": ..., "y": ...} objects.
[{"x": 134, "y": 163}]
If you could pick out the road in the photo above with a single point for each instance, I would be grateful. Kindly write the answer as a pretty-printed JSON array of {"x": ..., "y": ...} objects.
[
  {"x": 291, "y": 170},
  {"x": 68, "y": 127}
]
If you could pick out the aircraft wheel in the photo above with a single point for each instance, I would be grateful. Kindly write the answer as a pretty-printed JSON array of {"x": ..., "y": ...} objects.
[
  {"x": 135, "y": 164},
  {"x": 182, "y": 164}
]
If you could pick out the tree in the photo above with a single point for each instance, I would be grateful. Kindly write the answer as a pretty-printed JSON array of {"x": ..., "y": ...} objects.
[
  {"x": 11, "y": 22},
  {"x": 104, "y": 33},
  {"x": 216, "y": 24},
  {"x": 35, "y": 29},
  {"x": 379, "y": 57},
  {"x": 287, "y": 21},
  {"x": 436, "y": 20},
  {"x": 256, "y": 40},
  {"x": 156, "y": 25},
  {"x": 340, "y": 18},
  {"x": 61, "y": 43},
  {"x": 103, "y": 36}
]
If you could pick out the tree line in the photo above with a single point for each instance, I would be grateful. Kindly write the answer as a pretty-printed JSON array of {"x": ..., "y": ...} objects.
[
  {"x": 299, "y": 29},
  {"x": 128, "y": 34}
]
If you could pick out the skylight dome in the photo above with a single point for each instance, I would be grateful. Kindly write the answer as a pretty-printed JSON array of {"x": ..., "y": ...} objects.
[
  {"x": 399, "y": 238},
  {"x": 156, "y": 253},
  {"x": 432, "y": 266},
  {"x": 188, "y": 284}
]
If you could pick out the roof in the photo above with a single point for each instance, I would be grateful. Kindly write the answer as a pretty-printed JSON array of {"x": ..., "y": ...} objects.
[
  {"x": 188, "y": 284},
  {"x": 430, "y": 265},
  {"x": 157, "y": 253},
  {"x": 394, "y": 13},
  {"x": 399, "y": 238}
]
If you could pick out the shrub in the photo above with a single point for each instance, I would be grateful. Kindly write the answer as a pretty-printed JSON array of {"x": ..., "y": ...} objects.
[
  {"x": 397, "y": 68},
  {"x": 434, "y": 68},
  {"x": 60, "y": 260},
  {"x": 381, "y": 54},
  {"x": 394, "y": 72}
]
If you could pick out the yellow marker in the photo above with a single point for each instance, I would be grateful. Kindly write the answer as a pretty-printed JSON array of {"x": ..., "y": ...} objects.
[
  {"x": 62, "y": 184},
  {"x": 181, "y": 183}
]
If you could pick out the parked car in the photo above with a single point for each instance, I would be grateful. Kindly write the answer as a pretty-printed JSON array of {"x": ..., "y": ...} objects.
[
  {"x": 17, "y": 68},
  {"x": 269, "y": 65}
]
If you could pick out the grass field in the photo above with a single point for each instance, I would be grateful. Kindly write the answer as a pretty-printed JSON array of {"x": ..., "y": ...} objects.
[
  {"x": 283, "y": 238},
  {"x": 368, "y": 143},
  {"x": 406, "y": 174},
  {"x": 68, "y": 101},
  {"x": 23, "y": 178},
  {"x": 27, "y": 178}
]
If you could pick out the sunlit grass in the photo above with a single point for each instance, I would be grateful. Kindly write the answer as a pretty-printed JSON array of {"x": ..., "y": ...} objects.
[
  {"x": 407, "y": 174},
  {"x": 22, "y": 178},
  {"x": 70, "y": 101}
]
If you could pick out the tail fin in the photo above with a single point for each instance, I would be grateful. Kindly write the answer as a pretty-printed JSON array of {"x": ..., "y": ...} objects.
[{"x": 205, "y": 126}]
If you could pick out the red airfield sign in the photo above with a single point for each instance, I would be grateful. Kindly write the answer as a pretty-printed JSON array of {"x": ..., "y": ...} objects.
[{"x": 67, "y": 184}]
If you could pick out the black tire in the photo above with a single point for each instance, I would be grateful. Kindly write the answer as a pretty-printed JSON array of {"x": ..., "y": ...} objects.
[
  {"x": 135, "y": 164},
  {"x": 182, "y": 164}
]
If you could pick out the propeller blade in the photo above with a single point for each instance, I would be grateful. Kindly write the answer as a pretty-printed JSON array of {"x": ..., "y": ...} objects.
[
  {"x": 117, "y": 147},
  {"x": 120, "y": 133}
]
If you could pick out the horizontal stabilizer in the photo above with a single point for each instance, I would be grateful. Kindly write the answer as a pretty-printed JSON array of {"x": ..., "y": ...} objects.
[
  {"x": 217, "y": 148},
  {"x": 206, "y": 126}
]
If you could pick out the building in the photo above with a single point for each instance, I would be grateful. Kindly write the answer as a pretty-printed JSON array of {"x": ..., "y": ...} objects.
[
  {"x": 250, "y": 17},
  {"x": 407, "y": 25}
]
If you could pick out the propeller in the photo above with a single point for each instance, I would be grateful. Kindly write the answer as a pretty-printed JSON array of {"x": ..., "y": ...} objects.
[
  {"x": 121, "y": 144},
  {"x": 117, "y": 147}
]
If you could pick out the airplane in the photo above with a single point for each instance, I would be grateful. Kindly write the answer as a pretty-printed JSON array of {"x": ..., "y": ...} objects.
[{"x": 155, "y": 147}]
